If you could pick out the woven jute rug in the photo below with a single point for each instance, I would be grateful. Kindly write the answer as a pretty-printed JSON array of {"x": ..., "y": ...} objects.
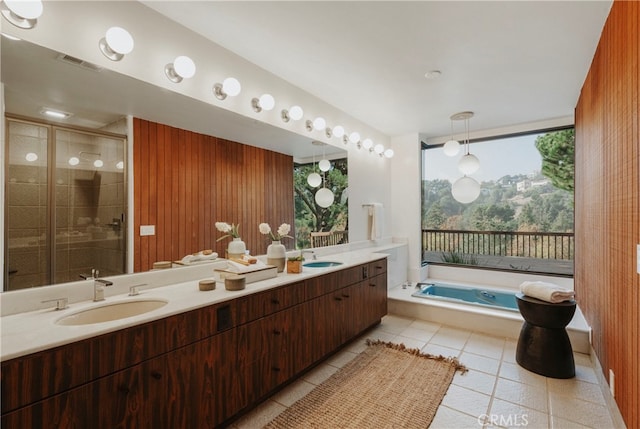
[{"x": 386, "y": 386}]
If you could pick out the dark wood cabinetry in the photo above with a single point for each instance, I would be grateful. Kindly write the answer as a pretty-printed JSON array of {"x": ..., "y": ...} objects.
[{"x": 196, "y": 369}]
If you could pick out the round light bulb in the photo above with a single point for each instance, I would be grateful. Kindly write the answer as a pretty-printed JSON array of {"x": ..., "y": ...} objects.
[
  {"x": 378, "y": 148},
  {"x": 465, "y": 190},
  {"x": 319, "y": 123},
  {"x": 324, "y": 197},
  {"x": 389, "y": 153},
  {"x": 468, "y": 164},
  {"x": 314, "y": 180},
  {"x": 338, "y": 131},
  {"x": 184, "y": 67},
  {"x": 98, "y": 163},
  {"x": 31, "y": 157},
  {"x": 451, "y": 148},
  {"x": 25, "y": 9},
  {"x": 267, "y": 102},
  {"x": 231, "y": 86},
  {"x": 74, "y": 160},
  {"x": 367, "y": 143},
  {"x": 296, "y": 112},
  {"x": 354, "y": 137},
  {"x": 324, "y": 165},
  {"x": 119, "y": 40},
  {"x": 120, "y": 165}
]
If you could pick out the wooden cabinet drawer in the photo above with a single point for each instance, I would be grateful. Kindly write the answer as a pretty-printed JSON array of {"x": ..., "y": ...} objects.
[{"x": 262, "y": 304}]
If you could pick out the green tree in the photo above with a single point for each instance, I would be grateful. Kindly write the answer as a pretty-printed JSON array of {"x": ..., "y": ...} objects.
[
  {"x": 309, "y": 215},
  {"x": 435, "y": 217},
  {"x": 557, "y": 150}
]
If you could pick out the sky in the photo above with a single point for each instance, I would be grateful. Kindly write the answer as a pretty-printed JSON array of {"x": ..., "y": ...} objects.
[{"x": 498, "y": 158}]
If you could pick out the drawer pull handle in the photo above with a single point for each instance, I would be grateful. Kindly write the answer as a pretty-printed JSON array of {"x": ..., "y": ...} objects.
[
  {"x": 275, "y": 301},
  {"x": 156, "y": 375},
  {"x": 275, "y": 368},
  {"x": 372, "y": 284},
  {"x": 124, "y": 389},
  {"x": 337, "y": 298},
  {"x": 378, "y": 267},
  {"x": 344, "y": 295},
  {"x": 276, "y": 332}
]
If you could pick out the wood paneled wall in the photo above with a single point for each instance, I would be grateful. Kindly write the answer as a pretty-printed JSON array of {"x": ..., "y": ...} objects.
[
  {"x": 184, "y": 182},
  {"x": 607, "y": 204}
]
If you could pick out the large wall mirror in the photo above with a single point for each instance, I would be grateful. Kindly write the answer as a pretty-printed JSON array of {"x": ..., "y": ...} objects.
[{"x": 98, "y": 99}]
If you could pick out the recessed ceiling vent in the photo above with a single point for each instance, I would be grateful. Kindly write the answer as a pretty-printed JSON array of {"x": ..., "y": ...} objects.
[{"x": 78, "y": 62}]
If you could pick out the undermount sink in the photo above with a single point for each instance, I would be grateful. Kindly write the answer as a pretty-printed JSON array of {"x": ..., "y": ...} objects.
[
  {"x": 321, "y": 264},
  {"x": 109, "y": 312}
]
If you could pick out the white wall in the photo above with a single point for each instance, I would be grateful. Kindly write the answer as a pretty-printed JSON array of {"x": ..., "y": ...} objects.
[
  {"x": 3, "y": 152},
  {"x": 405, "y": 185}
]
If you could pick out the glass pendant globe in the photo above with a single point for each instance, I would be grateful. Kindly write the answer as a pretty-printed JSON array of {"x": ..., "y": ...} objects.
[
  {"x": 389, "y": 153},
  {"x": 319, "y": 123},
  {"x": 451, "y": 148},
  {"x": 74, "y": 160},
  {"x": 324, "y": 165},
  {"x": 314, "y": 180},
  {"x": 465, "y": 190},
  {"x": 119, "y": 40},
  {"x": 231, "y": 86},
  {"x": 296, "y": 112},
  {"x": 184, "y": 67},
  {"x": 324, "y": 197},
  {"x": 379, "y": 149},
  {"x": 468, "y": 164},
  {"x": 354, "y": 137},
  {"x": 25, "y": 9},
  {"x": 338, "y": 131},
  {"x": 367, "y": 143},
  {"x": 267, "y": 102}
]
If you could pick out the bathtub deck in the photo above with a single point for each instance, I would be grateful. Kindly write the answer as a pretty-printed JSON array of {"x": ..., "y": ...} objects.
[{"x": 501, "y": 323}]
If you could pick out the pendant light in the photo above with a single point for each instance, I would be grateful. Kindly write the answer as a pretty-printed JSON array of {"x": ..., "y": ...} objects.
[
  {"x": 451, "y": 147},
  {"x": 324, "y": 164},
  {"x": 466, "y": 189},
  {"x": 469, "y": 163},
  {"x": 314, "y": 180}
]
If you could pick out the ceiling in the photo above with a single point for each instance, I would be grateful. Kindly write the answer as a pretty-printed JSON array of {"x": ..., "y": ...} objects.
[{"x": 511, "y": 62}]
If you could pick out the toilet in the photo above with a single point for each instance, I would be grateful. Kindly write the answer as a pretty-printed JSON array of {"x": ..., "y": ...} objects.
[{"x": 543, "y": 345}]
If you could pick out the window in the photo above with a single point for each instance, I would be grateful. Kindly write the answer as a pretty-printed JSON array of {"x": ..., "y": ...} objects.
[{"x": 523, "y": 217}]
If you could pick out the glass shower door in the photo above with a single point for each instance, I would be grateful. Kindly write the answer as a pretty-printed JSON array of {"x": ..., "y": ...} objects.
[{"x": 90, "y": 205}]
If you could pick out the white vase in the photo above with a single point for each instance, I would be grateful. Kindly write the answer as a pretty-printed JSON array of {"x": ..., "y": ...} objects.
[
  {"x": 277, "y": 255},
  {"x": 236, "y": 248}
]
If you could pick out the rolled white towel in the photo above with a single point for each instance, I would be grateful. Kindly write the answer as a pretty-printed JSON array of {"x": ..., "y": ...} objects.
[{"x": 546, "y": 292}]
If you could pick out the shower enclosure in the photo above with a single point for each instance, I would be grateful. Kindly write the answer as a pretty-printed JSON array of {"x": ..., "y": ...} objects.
[{"x": 65, "y": 203}]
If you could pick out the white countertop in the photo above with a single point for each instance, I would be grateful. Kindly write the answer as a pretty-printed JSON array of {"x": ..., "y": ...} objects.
[{"x": 34, "y": 331}]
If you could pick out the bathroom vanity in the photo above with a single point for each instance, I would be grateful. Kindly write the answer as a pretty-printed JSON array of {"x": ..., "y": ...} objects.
[{"x": 200, "y": 367}]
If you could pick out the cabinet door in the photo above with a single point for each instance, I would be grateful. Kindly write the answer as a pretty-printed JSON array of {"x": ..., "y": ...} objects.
[
  {"x": 130, "y": 398},
  {"x": 374, "y": 304},
  {"x": 201, "y": 388}
]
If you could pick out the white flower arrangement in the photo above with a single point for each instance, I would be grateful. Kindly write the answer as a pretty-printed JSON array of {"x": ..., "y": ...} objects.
[
  {"x": 228, "y": 230},
  {"x": 283, "y": 231}
]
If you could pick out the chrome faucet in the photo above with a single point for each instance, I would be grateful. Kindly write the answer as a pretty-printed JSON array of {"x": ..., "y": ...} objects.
[
  {"x": 312, "y": 252},
  {"x": 61, "y": 303},
  {"x": 98, "y": 289}
]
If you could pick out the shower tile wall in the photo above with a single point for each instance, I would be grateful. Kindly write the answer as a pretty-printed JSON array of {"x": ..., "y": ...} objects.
[{"x": 27, "y": 206}]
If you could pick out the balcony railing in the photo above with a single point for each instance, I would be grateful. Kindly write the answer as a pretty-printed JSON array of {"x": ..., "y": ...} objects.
[
  {"x": 538, "y": 245},
  {"x": 329, "y": 238}
]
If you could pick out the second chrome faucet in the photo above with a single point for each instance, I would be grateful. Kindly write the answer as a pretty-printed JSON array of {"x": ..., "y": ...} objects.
[{"x": 98, "y": 288}]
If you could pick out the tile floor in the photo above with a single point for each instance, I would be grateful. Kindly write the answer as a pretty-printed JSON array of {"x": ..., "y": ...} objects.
[{"x": 495, "y": 387}]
